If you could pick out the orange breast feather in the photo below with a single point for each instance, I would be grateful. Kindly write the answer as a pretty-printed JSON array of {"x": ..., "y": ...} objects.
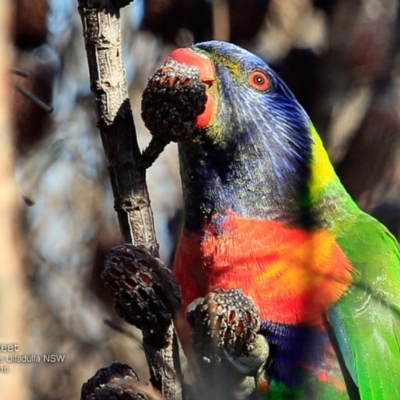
[{"x": 292, "y": 275}]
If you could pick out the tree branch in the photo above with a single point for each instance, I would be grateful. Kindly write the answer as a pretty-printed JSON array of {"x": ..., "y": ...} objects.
[{"x": 102, "y": 34}]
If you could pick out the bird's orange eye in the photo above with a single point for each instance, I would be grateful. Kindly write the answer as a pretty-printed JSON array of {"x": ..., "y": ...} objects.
[{"x": 259, "y": 80}]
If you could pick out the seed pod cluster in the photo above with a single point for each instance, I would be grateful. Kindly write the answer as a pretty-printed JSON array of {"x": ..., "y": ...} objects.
[
  {"x": 226, "y": 318},
  {"x": 116, "y": 382},
  {"x": 172, "y": 101},
  {"x": 145, "y": 292}
]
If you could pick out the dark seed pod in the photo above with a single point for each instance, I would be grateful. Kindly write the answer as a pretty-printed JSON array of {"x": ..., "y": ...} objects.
[
  {"x": 226, "y": 318},
  {"x": 116, "y": 382},
  {"x": 172, "y": 101},
  {"x": 145, "y": 292}
]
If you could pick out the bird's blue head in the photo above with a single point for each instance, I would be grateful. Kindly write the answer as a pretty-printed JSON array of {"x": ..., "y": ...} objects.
[{"x": 254, "y": 148}]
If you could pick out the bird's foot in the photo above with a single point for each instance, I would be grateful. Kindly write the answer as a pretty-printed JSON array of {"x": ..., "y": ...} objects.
[{"x": 225, "y": 336}]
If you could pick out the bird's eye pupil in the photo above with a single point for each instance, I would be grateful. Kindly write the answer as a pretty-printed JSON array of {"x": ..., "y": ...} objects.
[{"x": 259, "y": 80}]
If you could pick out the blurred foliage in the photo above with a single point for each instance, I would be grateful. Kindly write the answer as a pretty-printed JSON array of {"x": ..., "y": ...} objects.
[{"x": 341, "y": 59}]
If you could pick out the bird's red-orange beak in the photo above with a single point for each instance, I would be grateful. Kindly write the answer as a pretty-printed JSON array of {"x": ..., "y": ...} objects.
[{"x": 207, "y": 76}]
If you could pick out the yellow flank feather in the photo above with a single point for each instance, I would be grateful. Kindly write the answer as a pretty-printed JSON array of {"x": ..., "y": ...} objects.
[{"x": 322, "y": 172}]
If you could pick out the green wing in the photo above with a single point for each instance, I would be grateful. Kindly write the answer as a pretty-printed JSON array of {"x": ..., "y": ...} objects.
[{"x": 366, "y": 321}]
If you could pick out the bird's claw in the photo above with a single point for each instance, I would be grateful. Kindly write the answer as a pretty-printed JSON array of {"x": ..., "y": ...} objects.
[
  {"x": 249, "y": 363},
  {"x": 225, "y": 336}
]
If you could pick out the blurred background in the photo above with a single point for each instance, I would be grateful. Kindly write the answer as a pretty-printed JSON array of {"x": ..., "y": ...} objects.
[{"x": 339, "y": 57}]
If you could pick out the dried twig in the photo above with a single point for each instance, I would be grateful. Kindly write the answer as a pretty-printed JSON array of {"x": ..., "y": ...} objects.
[
  {"x": 102, "y": 33},
  {"x": 32, "y": 97}
]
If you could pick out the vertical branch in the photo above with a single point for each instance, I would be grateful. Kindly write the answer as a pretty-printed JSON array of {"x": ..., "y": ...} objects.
[{"x": 102, "y": 34}]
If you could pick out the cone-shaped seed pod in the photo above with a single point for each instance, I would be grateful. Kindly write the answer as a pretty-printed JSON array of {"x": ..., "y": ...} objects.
[
  {"x": 116, "y": 382},
  {"x": 172, "y": 100},
  {"x": 226, "y": 318},
  {"x": 145, "y": 292}
]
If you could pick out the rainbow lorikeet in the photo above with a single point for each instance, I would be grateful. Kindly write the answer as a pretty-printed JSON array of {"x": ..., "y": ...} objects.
[{"x": 265, "y": 212}]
